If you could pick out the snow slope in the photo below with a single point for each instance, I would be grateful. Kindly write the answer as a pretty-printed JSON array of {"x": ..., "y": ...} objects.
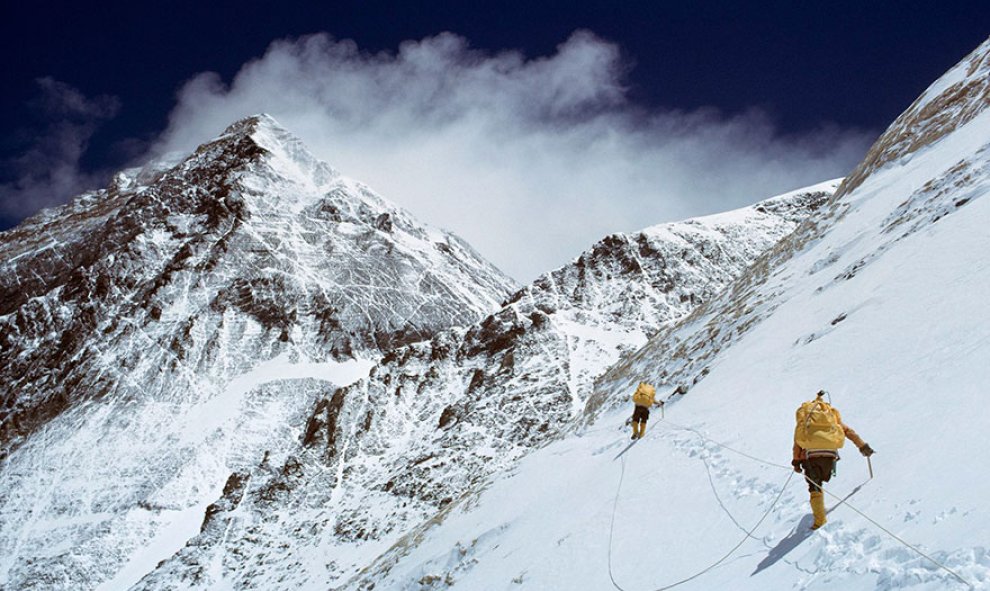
[{"x": 881, "y": 300}]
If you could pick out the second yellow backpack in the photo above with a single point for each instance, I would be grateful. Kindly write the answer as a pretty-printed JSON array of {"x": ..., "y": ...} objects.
[{"x": 645, "y": 395}]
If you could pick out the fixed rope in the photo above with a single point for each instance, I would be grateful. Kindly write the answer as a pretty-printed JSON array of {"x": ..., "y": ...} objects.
[
  {"x": 708, "y": 568},
  {"x": 772, "y": 506},
  {"x": 611, "y": 527},
  {"x": 898, "y": 538},
  {"x": 726, "y": 447},
  {"x": 841, "y": 501}
]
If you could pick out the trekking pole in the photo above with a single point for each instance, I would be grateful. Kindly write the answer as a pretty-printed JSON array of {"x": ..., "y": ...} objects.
[{"x": 869, "y": 463}]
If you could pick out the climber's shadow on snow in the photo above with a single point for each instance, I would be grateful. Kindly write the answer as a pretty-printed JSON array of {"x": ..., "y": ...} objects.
[{"x": 800, "y": 533}]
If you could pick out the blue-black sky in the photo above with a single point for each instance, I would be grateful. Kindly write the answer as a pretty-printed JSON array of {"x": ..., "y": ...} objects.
[{"x": 854, "y": 65}]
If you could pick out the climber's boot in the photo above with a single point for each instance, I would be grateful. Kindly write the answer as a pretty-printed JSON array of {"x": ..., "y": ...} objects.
[{"x": 818, "y": 509}]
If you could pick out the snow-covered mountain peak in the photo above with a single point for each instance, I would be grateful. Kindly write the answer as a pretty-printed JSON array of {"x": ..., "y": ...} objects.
[
  {"x": 263, "y": 129},
  {"x": 270, "y": 172},
  {"x": 182, "y": 321},
  {"x": 253, "y": 124},
  {"x": 263, "y": 158},
  {"x": 283, "y": 150}
]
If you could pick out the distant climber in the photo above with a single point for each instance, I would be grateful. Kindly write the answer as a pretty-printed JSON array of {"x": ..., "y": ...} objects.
[
  {"x": 818, "y": 435},
  {"x": 643, "y": 398}
]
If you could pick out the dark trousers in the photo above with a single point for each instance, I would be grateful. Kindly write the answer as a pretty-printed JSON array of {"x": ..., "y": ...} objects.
[
  {"x": 641, "y": 414},
  {"x": 818, "y": 470}
]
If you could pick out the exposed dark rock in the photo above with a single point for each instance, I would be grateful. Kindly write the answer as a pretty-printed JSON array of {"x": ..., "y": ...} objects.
[{"x": 233, "y": 492}]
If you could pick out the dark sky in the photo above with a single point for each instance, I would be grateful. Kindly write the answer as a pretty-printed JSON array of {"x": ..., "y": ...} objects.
[{"x": 855, "y": 64}]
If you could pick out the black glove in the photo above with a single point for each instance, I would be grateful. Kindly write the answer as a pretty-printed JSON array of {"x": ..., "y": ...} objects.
[
  {"x": 866, "y": 450},
  {"x": 797, "y": 465}
]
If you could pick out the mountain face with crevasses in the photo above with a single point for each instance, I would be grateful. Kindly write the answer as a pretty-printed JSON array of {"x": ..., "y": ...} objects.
[
  {"x": 178, "y": 326},
  {"x": 251, "y": 222},
  {"x": 880, "y": 299},
  {"x": 435, "y": 421}
]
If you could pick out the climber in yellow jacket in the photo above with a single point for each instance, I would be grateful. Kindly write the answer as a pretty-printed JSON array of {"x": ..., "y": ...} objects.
[
  {"x": 818, "y": 435},
  {"x": 643, "y": 398}
]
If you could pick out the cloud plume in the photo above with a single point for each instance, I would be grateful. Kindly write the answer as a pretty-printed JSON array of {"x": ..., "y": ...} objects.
[
  {"x": 48, "y": 171},
  {"x": 529, "y": 159}
]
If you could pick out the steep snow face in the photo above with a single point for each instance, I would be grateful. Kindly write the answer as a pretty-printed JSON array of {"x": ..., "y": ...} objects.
[
  {"x": 435, "y": 419},
  {"x": 954, "y": 100},
  {"x": 882, "y": 301},
  {"x": 178, "y": 326}
]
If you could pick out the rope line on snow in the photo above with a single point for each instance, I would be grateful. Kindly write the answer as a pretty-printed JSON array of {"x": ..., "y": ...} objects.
[
  {"x": 898, "y": 538},
  {"x": 749, "y": 534},
  {"x": 718, "y": 499},
  {"x": 773, "y": 505},
  {"x": 842, "y": 501},
  {"x": 724, "y": 446},
  {"x": 611, "y": 527}
]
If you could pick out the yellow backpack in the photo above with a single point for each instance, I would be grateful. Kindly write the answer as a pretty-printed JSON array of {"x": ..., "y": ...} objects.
[
  {"x": 644, "y": 395},
  {"x": 819, "y": 426}
]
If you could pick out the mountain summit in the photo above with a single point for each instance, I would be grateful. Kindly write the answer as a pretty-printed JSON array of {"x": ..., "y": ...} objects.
[
  {"x": 249, "y": 228},
  {"x": 158, "y": 334}
]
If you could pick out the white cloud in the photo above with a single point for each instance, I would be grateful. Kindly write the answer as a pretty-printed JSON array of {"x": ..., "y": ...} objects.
[
  {"x": 48, "y": 173},
  {"x": 529, "y": 159}
]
